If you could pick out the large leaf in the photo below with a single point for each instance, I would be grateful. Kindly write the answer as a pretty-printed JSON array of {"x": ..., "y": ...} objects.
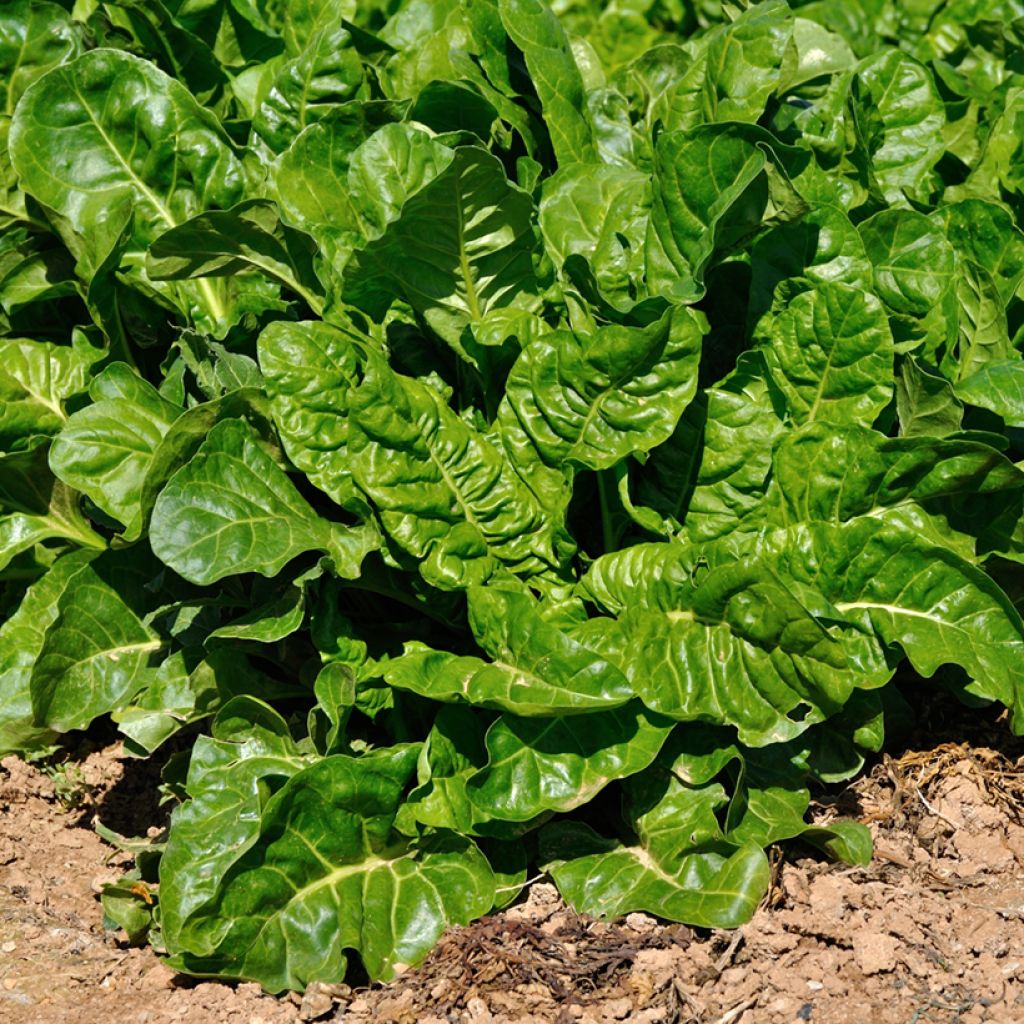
[
  {"x": 109, "y": 130},
  {"x": 225, "y": 243},
  {"x": 36, "y": 378},
  {"x": 249, "y": 745},
  {"x": 738, "y": 647},
  {"x": 532, "y": 26},
  {"x": 939, "y": 608},
  {"x": 305, "y": 89},
  {"x": 999, "y": 386},
  {"x": 830, "y": 352},
  {"x": 232, "y": 510},
  {"x": 328, "y": 864},
  {"x": 310, "y": 370},
  {"x": 711, "y": 184},
  {"x": 105, "y": 450},
  {"x": 537, "y": 669},
  {"x": 903, "y": 117},
  {"x": 98, "y": 651},
  {"x": 444, "y": 493},
  {"x": 34, "y": 37},
  {"x": 21, "y": 639},
  {"x": 536, "y": 765},
  {"x": 590, "y": 401},
  {"x": 599, "y": 213},
  {"x": 736, "y": 70},
  {"x": 460, "y": 248}
]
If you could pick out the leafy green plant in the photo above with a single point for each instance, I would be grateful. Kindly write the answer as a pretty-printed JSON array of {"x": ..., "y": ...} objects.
[{"x": 508, "y": 437}]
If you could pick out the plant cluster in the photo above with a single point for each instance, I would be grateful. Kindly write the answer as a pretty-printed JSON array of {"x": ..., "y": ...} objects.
[{"x": 499, "y": 437}]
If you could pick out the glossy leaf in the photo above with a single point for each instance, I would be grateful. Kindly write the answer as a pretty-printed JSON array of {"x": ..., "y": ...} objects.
[
  {"x": 232, "y": 510},
  {"x": 830, "y": 352}
]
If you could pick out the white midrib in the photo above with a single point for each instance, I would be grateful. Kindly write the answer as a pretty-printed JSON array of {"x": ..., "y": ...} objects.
[{"x": 213, "y": 302}]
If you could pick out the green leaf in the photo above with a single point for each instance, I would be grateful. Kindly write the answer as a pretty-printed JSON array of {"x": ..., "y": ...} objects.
[
  {"x": 302, "y": 91},
  {"x": 109, "y": 130},
  {"x": 21, "y": 639},
  {"x": 984, "y": 233},
  {"x": 736, "y": 68},
  {"x": 224, "y": 244},
  {"x": 914, "y": 274},
  {"x": 106, "y": 449},
  {"x": 444, "y": 493},
  {"x": 41, "y": 508},
  {"x": 998, "y": 386},
  {"x": 232, "y": 510},
  {"x": 36, "y": 379},
  {"x": 537, "y": 669},
  {"x": 460, "y": 248},
  {"x": 533, "y": 27},
  {"x": 939, "y": 608},
  {"x": 599, "y": 213},
  {"x": 714, "y": 469},
  {"x": 229, "y": 775},
  {"x": 955, "y": 493},
  {"x": 98, "y": 652},
  {"x": 903, "y": 117},
  {"x": 34, "y": 37},
  {"x": 591, "y": 400},
  {"x": 711, "y": 184},
  {"x": 830, "y": 352},
  {"x": 537, "y": 765},
  {"x": 311, "y": 369},
  {"x": 736, "y": 648},
  {"x": 327, "y": 843},
  {"x": 604, "y": 878},
  {"x": 926, "y": 402}
]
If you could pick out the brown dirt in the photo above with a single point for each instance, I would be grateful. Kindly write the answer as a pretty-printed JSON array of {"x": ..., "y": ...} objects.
[{"x": 932, "y": 932}]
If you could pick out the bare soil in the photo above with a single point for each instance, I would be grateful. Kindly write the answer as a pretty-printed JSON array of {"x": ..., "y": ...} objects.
[{"x": 932, "y": 931}]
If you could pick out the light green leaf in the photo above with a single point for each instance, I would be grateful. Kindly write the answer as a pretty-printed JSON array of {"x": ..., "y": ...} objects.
[
  {"x": 605, "y": 878},
  {"x": 97, "y": 653},
  {"x": 105, "y": 450},
  {"x": 231, "y": 510},
  {"x": 327, "y": 843},
  {"x": 36, "y": 378},
  {"x": 903, "y": 116},
  {"x": 227, "y": 243},
  {"x": 830, "y": 352},
  {"x": 736, "y": 68},
  {"x": 303, "y": 90},
  {"x": 461, "y": 247},
  {"x": 34, "y": 37},
  {"x": 599, "y": 213},
  {"x": 443, "y": 492},
  {"x": 21, "y": 639},
  {"x": 110, "y": 130},
  {"x": 537, "y": 670},
  {"x": 591, "y": 400},
  {"x": 229, "y": 772},
  {"x": 534, "y": 28},
  {"x": 926, "y": 402},
  {"x": 998, "y": 386},
  {"x": 311, "y": 368},
  {"x": 537, "y": 765}
]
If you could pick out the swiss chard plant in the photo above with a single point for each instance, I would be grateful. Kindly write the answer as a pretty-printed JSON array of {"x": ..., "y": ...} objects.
[{"x": 500, "y": 437}]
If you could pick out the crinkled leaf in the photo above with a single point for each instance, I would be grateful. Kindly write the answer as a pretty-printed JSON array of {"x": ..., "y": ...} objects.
[
  {"x": 326, "y": 843},
  {"x": 590, "y": 401},
  {"x": 830, "y": 352},
  {"x": 231, "y": 510},
  {"x": 537, "y": 670},
  {"x": 444, "y": 493}
]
